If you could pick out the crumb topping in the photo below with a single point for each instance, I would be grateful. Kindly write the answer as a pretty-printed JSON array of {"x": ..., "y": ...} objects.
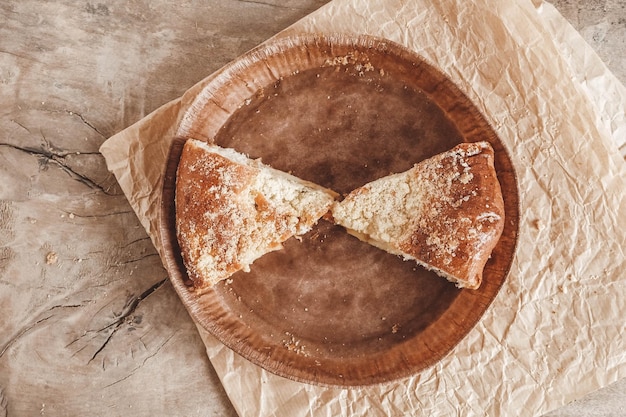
[
  {"x": 437, "y": 213},
  {"x": 231, "y": 210}
]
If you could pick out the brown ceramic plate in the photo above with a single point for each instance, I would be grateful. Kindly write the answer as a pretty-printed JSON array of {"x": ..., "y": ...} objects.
[{"x": 338, "y": 111}]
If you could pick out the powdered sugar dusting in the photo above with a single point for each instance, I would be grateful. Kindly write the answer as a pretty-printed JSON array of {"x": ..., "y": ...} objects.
[
  {"x": 231, "y": 210},
  {"x": 437, "y": 213}
]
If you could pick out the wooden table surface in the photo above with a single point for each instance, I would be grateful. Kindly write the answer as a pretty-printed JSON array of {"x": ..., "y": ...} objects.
[{"x": 89, "y": 323}]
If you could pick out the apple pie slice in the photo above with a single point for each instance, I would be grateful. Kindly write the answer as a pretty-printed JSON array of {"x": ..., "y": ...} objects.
[
  {"x": 231, "y": 210},
  {"x": 446, "y": 213}
]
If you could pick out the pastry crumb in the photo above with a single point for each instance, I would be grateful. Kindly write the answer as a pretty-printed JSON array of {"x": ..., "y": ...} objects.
[
  {"x": 51, "y": 258},
  {"x": 293, "y": 345}
]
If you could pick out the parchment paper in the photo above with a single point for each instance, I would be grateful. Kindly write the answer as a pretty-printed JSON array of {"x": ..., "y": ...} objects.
[{"x": 554, "y": 333}]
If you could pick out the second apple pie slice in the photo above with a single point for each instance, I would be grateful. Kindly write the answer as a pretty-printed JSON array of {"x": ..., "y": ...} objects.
[{"x": 446, "y": 213}]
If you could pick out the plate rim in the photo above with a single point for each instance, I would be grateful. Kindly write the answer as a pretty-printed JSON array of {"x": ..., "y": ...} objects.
[{"x": 184, "y": 131}]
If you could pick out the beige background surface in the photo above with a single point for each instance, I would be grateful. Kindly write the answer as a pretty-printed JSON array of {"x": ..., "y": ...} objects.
[{"x": 90, "y": 325}]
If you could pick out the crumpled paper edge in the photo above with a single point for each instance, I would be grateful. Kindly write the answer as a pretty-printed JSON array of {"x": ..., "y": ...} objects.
[
  {"x": 280, "y": 395},
  {"x": 600, "y": 85}
]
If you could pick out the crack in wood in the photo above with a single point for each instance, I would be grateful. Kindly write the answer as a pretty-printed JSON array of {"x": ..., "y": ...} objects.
[
  {"x": 131, "y": 261},
  {"x": 82, "y": 118},
  {"x": 141, "y": 239},
  {"x": 97, "y": 216},
  {"x": 70, "y": 113},
  {"x": 47, "y": 145},
  {"x": 128, "y": 310},
  {"x": 21, "y": 333},
  {"x": 146, "y": 359},
  {"x": 263, "y": 3},
  {"x": 48, "y": 155},
  {"x": 66, "y": 306},
  {"x": 21, "y": 125},
  {"x": 106, "y": 342}
]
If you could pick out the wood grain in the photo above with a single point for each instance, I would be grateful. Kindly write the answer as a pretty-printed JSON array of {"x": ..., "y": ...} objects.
[
  {"x": 89, "y": 325},
  {"x": 71, "y": 75}
]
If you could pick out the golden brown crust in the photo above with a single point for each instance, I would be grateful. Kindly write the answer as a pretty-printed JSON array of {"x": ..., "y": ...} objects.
[
  {"x": 230, "y": 210},
  {"x": 201, "y": 189},
  {"x": 464, "y": 219},
  {"x": 446, "y": 212}
]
